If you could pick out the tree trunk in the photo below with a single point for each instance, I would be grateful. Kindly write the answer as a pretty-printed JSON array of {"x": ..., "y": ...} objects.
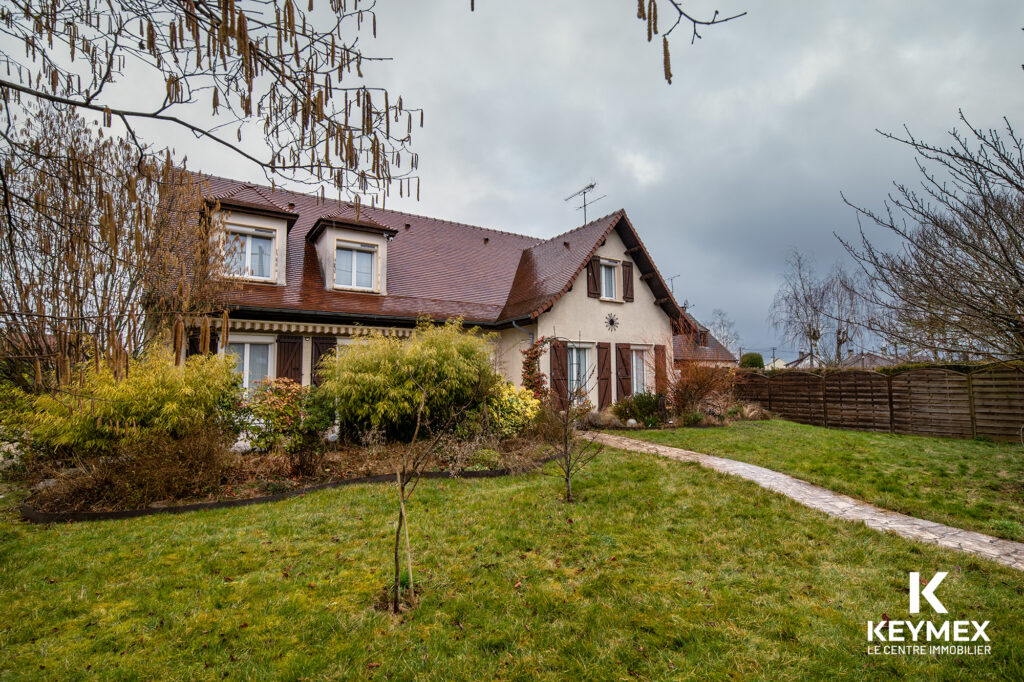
[
  {"x": 398, "y": 538},
  {"x": 408, "y": 548}
]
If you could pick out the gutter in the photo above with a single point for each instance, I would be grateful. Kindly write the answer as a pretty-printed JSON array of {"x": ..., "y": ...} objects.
[
  {"x": 355, "y": 317},
  {"x": 523, "y": 329}
]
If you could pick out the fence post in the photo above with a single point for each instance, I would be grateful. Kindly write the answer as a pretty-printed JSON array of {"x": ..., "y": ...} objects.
[
  {"x": 824, "y": 402},
  {"x": 970, "y": 405},
  {"x": 892, "y": 417}
]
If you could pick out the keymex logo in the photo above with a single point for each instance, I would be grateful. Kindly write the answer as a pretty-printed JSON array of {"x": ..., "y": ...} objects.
[{"x": 955, "y": 637}]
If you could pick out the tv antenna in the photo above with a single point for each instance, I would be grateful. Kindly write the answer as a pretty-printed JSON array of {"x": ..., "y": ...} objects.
[
  {"x": 583, "y": 194},
  {"x": 672, "y": 283}
]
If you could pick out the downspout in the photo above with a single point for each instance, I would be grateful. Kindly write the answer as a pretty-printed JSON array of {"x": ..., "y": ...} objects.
[{"x": 523, "y": 329}]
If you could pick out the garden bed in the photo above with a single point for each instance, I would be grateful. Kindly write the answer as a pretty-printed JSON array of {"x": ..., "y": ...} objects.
[{"x": 256, "y": 478}]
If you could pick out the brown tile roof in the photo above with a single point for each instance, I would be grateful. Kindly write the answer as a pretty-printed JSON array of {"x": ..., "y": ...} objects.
[
  {"x": 686, "y": 346},
  {"x": 437, "y": 268}
]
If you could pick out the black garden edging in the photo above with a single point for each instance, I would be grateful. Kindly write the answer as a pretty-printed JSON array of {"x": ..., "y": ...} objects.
[{"x": 33, "y": 515}]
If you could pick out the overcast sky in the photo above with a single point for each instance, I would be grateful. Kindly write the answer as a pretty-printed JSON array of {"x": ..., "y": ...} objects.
[{"x": 744, "y": 156}]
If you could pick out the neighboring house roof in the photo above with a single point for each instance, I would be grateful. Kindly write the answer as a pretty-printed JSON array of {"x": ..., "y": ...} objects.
[
  {"x": 867, "y": 360},
  {"x": 686, "y": 347},
  {"x": 803, "y": 361},
  {"x": 435, "y": 267}
]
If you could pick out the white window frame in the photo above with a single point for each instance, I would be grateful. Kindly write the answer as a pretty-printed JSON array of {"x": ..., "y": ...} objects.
[
  {"x": 614, "y": 267},
  {"x": 357, "y": 247},
  {"x": 247, "y": 343},
  {"x": 249, "y": 233},
  {"x": 573, "y": 379},
  {"x": 638, "y": 359}
]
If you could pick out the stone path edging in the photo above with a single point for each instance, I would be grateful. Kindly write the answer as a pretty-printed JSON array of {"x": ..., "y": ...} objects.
[{"x": 1006, "y": 552}]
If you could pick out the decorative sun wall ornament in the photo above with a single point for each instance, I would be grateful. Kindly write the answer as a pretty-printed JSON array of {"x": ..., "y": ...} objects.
[{"x": 611, "y": 322}]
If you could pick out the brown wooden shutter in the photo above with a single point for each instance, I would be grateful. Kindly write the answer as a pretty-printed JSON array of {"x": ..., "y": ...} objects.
[
  {"x": 623, "y": 371},
  {"x": 627, "y": 281},
  {"x": 289, "y": 358},
  {"x": 192, "y": 343},
  {"x": 559, "y": 374},
  {"x": 604, "y": 375},
  {"x": 322, "y": 345},
  {"x": 660, "y": 370},
  {"x": 594, "y": 278}
]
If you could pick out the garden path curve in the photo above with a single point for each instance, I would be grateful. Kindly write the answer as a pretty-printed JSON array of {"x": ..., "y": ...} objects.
[{"x": 1006, "y": 552}]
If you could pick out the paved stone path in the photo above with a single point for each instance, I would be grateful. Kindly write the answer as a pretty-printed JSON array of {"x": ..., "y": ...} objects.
[{"x": 1005, "y": 552}]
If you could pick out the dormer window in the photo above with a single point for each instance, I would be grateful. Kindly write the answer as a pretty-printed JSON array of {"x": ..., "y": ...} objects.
[
  {"x": 249, "y": 252},
  {"x": 355, "y": 266}
]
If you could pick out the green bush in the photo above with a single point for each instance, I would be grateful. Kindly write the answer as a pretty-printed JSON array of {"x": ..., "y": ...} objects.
[
  {"x": 378, "y": 382},
  {"x": 752, "y": 360},
  {"x": 156, "y": 397},
  {"x": 645, "y": 408},
  {"x": 275, "y": 406},
  {"x": 512, "y": 410},
  {"x": 692, "y": 418},
  {"x": 285, "y": 417}
]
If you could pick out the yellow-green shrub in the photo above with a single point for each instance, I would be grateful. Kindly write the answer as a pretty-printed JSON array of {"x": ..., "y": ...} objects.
[
  {"x": 377, "y": 383},
  {"x": 512, "y": 409},
  {"x": 156, "y": 397}
]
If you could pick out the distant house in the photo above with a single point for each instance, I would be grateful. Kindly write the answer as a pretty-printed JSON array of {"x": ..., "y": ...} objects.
[
  {"x": 868, "y": 360},
  {"x": 317, "y": 273},
  {"x": 805, "y": 361},
  {"x": 777, "y": 363},
  {"x": 701, "y": 347}
]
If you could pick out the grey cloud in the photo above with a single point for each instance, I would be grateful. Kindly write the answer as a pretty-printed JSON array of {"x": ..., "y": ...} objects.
[{"x": 745, "y": 155}]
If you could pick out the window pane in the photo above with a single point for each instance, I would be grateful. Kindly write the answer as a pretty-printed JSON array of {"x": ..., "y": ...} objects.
[
  {"x": 234, "y": 253},
  {"x": 343, "y": 268},
  {"x": 261, "y": 248},
  {"x": 639, "y": 381},
  {"x": 238, "y": 350},
  {"x": 259, "y": 362},
  {"x": 608, "y": 281},
  {"x": 364, "y": 269}
]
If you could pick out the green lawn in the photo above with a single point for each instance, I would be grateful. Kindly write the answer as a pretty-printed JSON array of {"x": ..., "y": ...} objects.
[
  {"x": 662, "y": 570},
  {"x": 969, "y": 484}
]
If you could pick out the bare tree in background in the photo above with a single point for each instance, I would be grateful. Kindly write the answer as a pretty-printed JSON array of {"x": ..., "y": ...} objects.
[
  {"x": 723, "y": 328},
  {"x": 844, "y": 313},
  {"x": 954, "y": 285},
  {"x": 797, "y": 309},
  {"x": 100, "y": 251},
  {"x": 825, "y": 315}
]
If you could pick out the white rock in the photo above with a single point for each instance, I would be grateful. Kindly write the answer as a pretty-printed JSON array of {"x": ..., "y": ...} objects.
[
  {"x": 241, "y": 447},
  {"x": 631, "y": 423}
]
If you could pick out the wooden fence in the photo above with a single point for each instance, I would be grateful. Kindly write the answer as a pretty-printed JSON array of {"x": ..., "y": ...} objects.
[{"x": 988, "y": 402}]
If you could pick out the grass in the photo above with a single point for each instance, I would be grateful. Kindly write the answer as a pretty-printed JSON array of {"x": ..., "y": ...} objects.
[
  {"x": 969, "y": 484},
  {"x": 661, "y": 570}
]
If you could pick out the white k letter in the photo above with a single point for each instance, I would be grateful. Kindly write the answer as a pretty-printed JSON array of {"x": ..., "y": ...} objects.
[{"x": 928, "y": 592}]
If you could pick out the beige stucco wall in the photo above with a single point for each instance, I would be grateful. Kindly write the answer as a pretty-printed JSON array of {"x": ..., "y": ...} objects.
[
  {"x": 579, "y": 318},
  {"x": 509, "y": 358}
]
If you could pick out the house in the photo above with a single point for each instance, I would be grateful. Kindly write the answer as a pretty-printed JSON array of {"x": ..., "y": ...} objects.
[
  {"x": 868, "y": 360},
  {"x": 805, "y": 361},
  {"x": 315, "y": 273},
  {"x": 700, "y": 347}
]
